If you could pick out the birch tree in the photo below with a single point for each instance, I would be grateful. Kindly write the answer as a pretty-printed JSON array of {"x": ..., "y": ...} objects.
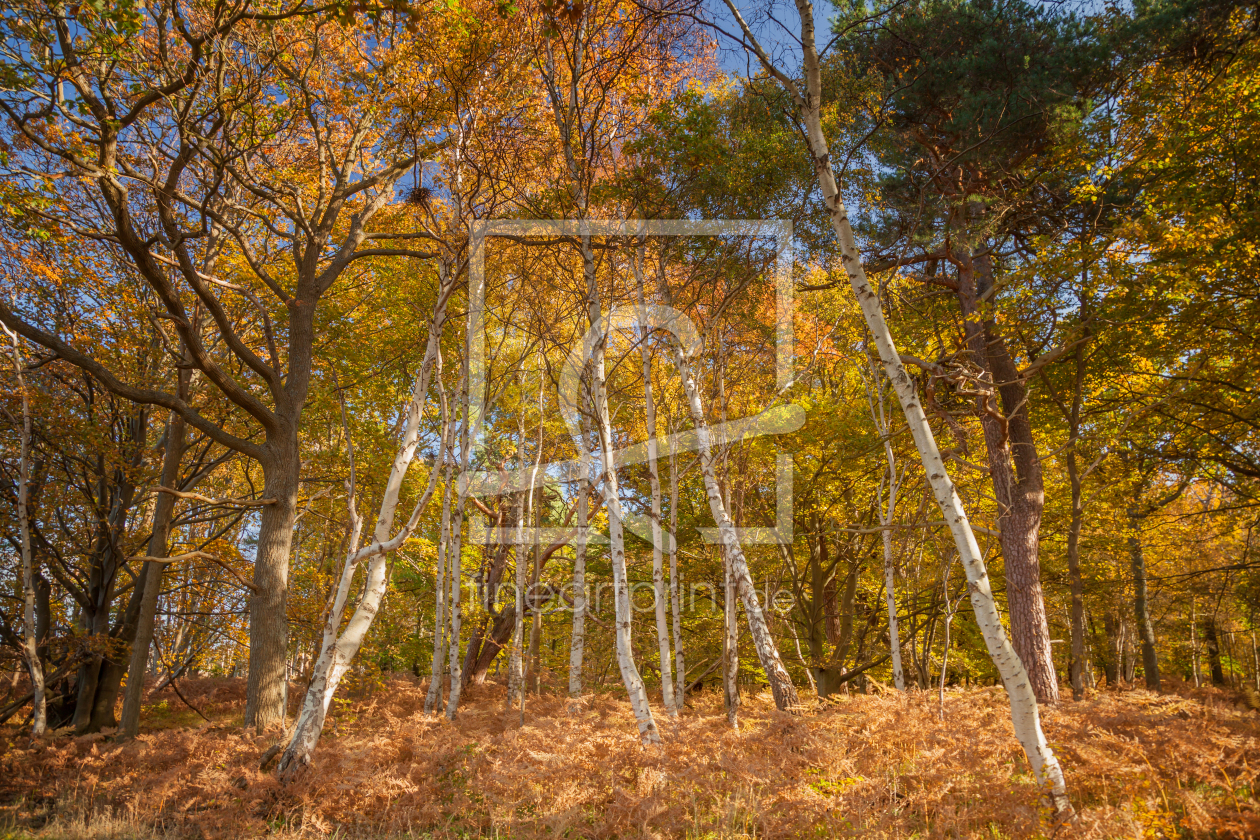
[
  {"x": 339, "y": 645},
  {"x": 805, "y": 94},
  {"x": 875, "y": 397}
]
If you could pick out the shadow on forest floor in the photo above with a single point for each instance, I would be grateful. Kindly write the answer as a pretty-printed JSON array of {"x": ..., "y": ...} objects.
[{"x": 1138, "y": 764}]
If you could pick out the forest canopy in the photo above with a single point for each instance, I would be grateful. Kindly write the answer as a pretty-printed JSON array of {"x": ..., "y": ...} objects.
[{"x": 651, "y": 348}]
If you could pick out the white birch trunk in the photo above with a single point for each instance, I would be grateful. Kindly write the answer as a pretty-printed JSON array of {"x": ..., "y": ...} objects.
[
  {"x": 577, "y": 643},
  {"x": 455, "y": 552},
  {"x": 675, "y": 596},
  {"x": 1024, "y": 713},
  {"x": 30, "y": 645},
  {"x": 338, "y": 648},
  {"x": 616, "y": 534},
  {"x": 433, "y": 700},
  {"x": 654, "y": 482},
  {"x": 875, "y": 400},
  {"x": 785, "y": 696},
  {"x": 516, "y": 671},
  {"x": 730, "y": 645}
]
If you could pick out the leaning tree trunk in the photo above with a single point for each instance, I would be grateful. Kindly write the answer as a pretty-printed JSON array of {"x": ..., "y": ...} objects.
[
  {"x": 339, "y": 648},
  {"x": 1025, "y": 715},
  {"x": 163, "y": 510},
  {"x": 1141, "y": 607},
  {"x": 30, "y": 643},
  {"x": 785, "y": 696}
]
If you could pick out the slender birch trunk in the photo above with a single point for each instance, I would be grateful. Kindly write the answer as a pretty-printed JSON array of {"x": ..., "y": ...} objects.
[
  {"x": 565, "y": 104},
  {"x": 616, "y": 534},
  {"x": 654, "y": 482},
  {"x": 875, "y": 401},
  {"x": 785, "y": 696},
  {"x": 339, "y": 646},
  {"x": 577, "y": 643},
  {"x": 30, "y": 644},
  {"x": 730, "y": 645},
  {"x": 680, "y": 666},
  {"x": 433, "y": 700},
  {"x": 1194, "y": 641},
  {"x": 516, "y": 670},
  {"x": 1025, "y": 715},
  {"x": 454, "y": 553}
]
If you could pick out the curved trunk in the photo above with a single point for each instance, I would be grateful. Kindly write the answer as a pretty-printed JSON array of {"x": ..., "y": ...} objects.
[
  {"x": 785, "y": 696},
  {"x": 1024, "y": 713}
]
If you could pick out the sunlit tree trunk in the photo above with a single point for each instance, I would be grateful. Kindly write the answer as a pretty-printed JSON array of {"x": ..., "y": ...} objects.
[
  {"x": 577, "y": 642},
  {"x": 654, "y": 482},
  {"x": 675, "y": 595},
  {"x": 785, "y": 696},
  {"x": 339, "y": 646},
  {"x": 875, "y": 400},
  {"x": 1025, "y": 715}
]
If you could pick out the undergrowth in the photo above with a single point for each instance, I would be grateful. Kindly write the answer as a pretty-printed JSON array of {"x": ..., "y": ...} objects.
[{"x": 1138, "y": 765}]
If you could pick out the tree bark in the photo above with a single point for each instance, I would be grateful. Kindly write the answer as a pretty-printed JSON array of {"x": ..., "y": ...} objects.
[
  {"x": 151, "y": 586},
  {"x": 433, "y": 699},
  {"x": 730, "y": 645},
  {"x": 1017, "y": 479},
  {"x": 30, "y": 641},
  {"x": 339, "y": 646},
  {"x": 1141, "y": 607},
  {"x": 680, "y": 669},
  {"x": 785, "y": 696},
  {"x": 1024, "y": 713},
  {"x": 654, "y": 483}
]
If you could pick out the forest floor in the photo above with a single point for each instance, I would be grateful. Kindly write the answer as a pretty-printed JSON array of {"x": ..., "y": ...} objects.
[{"x": 1181, "y": 764}]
